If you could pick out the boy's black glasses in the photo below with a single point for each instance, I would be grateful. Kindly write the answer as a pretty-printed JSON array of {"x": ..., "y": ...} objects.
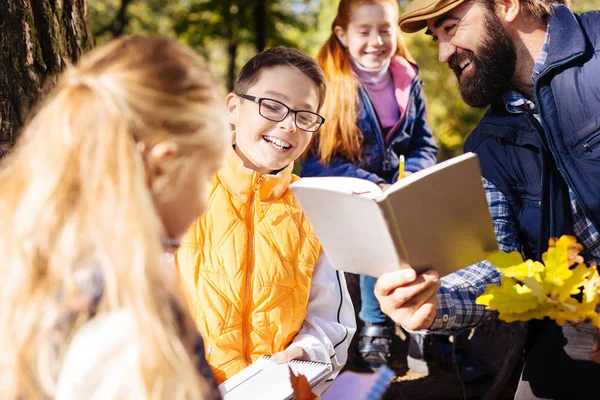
[{"x": 276, "y": 111}]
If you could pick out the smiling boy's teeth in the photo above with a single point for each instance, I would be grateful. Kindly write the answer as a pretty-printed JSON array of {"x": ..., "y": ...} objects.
[{"x": 277, "y": 142}]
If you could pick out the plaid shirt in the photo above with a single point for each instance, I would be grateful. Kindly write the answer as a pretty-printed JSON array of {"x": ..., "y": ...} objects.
[{"x": 457, "y": 309}]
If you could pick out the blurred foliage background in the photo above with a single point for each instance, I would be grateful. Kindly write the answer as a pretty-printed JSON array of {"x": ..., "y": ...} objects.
[{"x": 228, "y": 32}]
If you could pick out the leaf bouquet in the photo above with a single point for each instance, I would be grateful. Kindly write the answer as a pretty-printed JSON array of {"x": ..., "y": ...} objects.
[{"x": 562, "y": 288}]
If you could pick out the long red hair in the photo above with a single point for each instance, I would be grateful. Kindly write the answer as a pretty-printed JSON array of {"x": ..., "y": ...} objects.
[{"x": 340, "y": 135}]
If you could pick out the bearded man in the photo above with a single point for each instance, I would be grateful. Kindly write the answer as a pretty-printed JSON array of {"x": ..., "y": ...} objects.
[{"x": 537, "y": 66}]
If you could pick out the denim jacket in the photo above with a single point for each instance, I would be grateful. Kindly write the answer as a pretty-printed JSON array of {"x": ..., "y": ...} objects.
[{"x": 411, "y": 137}]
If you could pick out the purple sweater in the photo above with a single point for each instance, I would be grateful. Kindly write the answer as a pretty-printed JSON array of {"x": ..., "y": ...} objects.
[{"x": 388, "y": 88}]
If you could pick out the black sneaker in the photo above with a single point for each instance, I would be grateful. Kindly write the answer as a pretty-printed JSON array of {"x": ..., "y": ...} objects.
[{"x": 375, "y": 342}]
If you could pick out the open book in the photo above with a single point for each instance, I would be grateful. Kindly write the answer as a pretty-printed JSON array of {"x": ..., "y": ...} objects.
[
  {"x": 265, "y": 380},
  {"x": 435, "y": 218}
]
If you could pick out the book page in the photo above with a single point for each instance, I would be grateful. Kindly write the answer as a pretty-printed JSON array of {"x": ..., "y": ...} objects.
[
  {"x": 342, "y": 184},
  {"x": 436, "y": 218},
  {"x": 244, "y": 375},
  {"x": 422, "y": 174},
  {"x": 267, "y": 380},
  {"x": 351, "y": 229},
  {"x": 441, "y": 220}
]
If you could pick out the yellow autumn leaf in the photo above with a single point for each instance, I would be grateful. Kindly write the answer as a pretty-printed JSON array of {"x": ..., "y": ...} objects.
[
  {"x": 594, "y": 318},
  {"x": 556, "y": 260},
  {"x": 510, "y": 297},
  {"x": 571, "y": 311},
  {"x": 537, "y": 313},
  {"x": 589, "y": 312},
  {"x": 563, "y": 288},
  {"x": 536, "y": 285},
  {"x": 520, "y": 271},
  {"x": 484, "y": 299},
  {"x": 591, "y": 286},
  {"x": 501, "y": 259},
  {"x": 572, "y": 285},
  {"x": 569, "y": 245}
]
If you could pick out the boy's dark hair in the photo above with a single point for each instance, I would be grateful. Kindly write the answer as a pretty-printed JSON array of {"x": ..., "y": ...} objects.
[{"x": 281, "y": 56}]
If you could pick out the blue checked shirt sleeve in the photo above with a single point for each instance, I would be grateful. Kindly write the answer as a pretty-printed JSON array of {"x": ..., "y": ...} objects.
[{"x": 457, "y": 309}]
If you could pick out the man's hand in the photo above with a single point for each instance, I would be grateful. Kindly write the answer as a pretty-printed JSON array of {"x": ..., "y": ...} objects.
[
  {"x": 409, "y": 299},
  {"x": 293, "y": 353}
]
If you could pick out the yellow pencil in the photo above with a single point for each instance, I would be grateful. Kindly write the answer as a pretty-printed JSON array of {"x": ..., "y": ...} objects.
[
  {"x": 401, "y": 167},
  {"x": 208, "y": 353}
]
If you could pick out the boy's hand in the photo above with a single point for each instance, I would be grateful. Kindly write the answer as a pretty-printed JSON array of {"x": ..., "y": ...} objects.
[
  {"x": 293, "y": 353},
  {"x": 409, "y": 299}
]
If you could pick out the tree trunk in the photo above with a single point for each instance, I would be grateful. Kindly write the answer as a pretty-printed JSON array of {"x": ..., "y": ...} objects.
[
  {"x": 231, "y": 55},
  {"x": 39, "y": 38},
  {"x": 260, "y": 20},
  {"x": 117, "y": 27}
]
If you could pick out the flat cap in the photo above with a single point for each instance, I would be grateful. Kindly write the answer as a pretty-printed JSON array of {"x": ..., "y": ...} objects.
[{"x": 413, "y": 20}]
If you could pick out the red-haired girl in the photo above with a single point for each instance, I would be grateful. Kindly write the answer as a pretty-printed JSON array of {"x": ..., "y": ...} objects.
[{"x": 375, "y": 112}]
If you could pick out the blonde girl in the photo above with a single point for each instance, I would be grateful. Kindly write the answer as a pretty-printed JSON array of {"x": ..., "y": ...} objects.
[
  {"x": 110, "y": 171},
  {"x": 375, "y": 112}
]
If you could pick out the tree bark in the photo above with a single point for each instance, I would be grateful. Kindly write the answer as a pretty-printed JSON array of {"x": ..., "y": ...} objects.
[
  {"x": 38, "y": 39},
  {"x": 231, "y": 55},
  {"x": 260, "y": 19}
]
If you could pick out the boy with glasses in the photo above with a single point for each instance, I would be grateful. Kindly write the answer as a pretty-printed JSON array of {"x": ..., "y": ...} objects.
[{"x": 252, "y": 267}]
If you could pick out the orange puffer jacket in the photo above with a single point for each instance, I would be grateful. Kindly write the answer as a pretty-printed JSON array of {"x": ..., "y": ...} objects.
[{"x": 247, "y": 265}]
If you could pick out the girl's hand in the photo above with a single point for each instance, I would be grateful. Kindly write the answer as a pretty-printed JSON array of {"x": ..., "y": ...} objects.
[{"x": 293, "y": 353}]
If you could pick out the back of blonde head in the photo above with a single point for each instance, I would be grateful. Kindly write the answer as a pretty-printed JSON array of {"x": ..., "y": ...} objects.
[{"x": 75, "y": 195}]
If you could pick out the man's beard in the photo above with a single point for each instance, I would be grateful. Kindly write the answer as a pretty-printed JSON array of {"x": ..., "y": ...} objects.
[{"x": 493, "y": 65}]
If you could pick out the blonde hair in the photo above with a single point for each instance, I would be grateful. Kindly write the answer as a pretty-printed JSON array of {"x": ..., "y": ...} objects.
[
  {"x": 75, "y": 195},
  {"x": 340, "y": 135}
]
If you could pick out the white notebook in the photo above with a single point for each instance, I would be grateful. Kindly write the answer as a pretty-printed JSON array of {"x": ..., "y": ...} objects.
[{"x": 265, "y": 380}]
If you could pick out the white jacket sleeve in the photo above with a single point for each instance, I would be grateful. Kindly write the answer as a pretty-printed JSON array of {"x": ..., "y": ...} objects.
[{"x": 330, "y": 322}]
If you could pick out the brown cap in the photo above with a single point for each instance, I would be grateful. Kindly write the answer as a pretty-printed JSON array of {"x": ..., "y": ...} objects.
[{"x": 413, "y": 20}]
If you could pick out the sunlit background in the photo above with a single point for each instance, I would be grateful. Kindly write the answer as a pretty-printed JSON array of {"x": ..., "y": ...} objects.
[{"x": 229, "y": 32}]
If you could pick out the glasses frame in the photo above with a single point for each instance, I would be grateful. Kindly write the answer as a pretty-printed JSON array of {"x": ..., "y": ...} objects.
[{"x": 259, "y": 100}]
